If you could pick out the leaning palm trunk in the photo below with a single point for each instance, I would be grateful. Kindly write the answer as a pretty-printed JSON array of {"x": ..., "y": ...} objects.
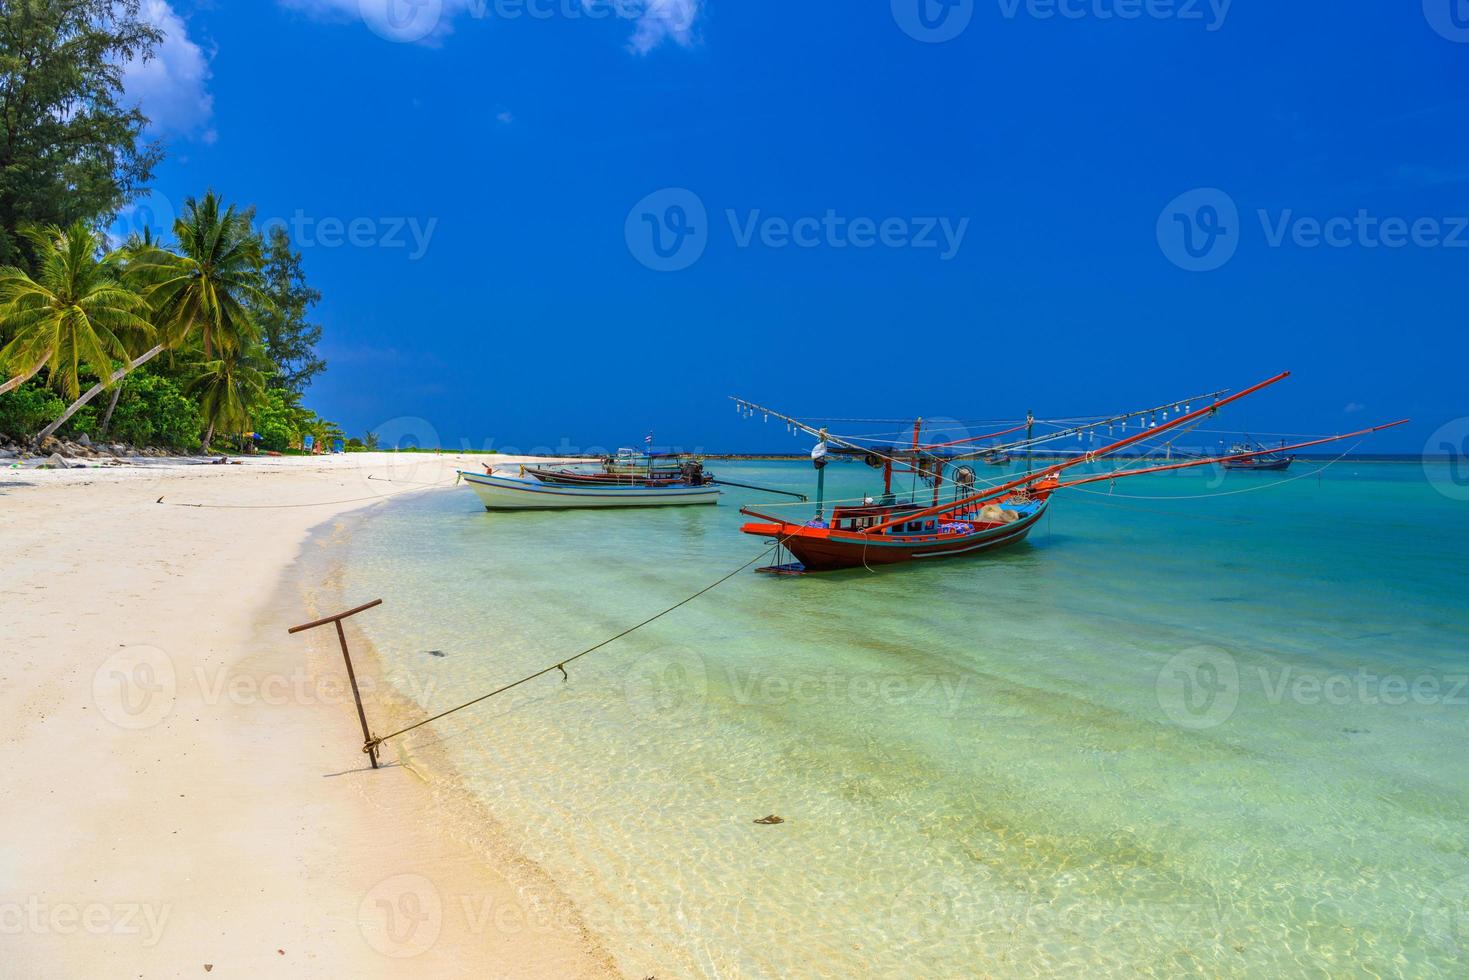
[
  {"x": 21, "y": 379},
  {"x": 111, "y": 407},
  {"x": 94, "y": 391},
  {"x": 208, "y": 437}
]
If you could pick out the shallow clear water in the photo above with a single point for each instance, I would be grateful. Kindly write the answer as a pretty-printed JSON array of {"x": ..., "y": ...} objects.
[{"x": 1218, "y": 736}]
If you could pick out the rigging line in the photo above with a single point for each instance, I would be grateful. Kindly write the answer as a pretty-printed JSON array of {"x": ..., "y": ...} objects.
[
  {"x": 1123, "y": 464},
  {"x": 561, "y": 665},
  {"x": 1228, "y": 493}
]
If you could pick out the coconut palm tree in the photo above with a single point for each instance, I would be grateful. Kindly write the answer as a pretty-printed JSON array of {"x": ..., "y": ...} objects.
[
  {"x": 201, "y": 290},
  {"x": 207, "y": 286},
  {"x": 78, "y": 312},
  {"x": 228, "y": 389}
]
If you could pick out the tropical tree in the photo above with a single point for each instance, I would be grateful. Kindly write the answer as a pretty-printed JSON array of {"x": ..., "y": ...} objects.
[
  {"x": 201, "y": 290},
  {"x": 212, "y": 281},
  {"x": 290, "y": 339},
  {"x": 73, "y": 144},
  {"x": 77, "y": 313},
  {"x": 228, "y": 389}
]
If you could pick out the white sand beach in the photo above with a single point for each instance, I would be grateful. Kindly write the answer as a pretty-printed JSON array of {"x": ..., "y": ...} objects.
[{"x": 183, "y": 789}]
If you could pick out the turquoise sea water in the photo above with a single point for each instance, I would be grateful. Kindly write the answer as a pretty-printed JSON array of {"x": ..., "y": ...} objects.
[{"x": 1221, "y": 736}]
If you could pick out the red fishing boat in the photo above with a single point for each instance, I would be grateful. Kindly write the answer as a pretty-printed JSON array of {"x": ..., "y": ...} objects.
[{"x": 973, "y": 518}]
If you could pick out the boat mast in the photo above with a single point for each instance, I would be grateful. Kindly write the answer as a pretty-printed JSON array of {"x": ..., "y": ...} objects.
[
  {"x": 1051, "y": 472},
  {"x": 820, "y": 461},
  {"x": 1029, "y": 436}
]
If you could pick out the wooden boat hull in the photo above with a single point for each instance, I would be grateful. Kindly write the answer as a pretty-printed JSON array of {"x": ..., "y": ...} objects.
[
  {"x": 1261, "y": 466},
  {"x": 825, "y": 550},
  {"x": 510, "y": 493},
  {"x": 569, "y": 479}
]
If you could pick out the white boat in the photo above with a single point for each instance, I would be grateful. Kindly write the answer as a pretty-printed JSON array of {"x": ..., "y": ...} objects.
[{"x": 526, "y": 493}]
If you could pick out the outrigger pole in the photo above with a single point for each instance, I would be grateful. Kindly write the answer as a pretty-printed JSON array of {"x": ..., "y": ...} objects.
[
  {"x": 751, "y": 486},
  {"x": 1051, "y": 471},
  {"x": 1097, "y": 478}
]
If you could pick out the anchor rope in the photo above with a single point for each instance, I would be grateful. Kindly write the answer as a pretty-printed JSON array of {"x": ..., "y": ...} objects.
[{"x": 560, "y": 665}]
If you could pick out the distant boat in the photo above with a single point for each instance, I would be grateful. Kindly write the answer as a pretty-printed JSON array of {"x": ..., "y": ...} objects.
[
  {"x": 1253, "y": 457},
  {"x": 998, "y": 458},
  {"x": 529, "y": 493}
]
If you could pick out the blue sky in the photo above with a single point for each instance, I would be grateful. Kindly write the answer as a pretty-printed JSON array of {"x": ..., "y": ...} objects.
[{"x": 564, "y": 229}]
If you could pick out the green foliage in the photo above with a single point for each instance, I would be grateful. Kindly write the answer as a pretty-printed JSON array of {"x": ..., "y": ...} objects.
[
  {"x": 26, "y": 409},
  {"x": 76, "y": 314},
  {"x": 290, "y": 341},
  {"x": 228, "y": 389},
  {"x": 71, "y": 147},
  {"x": 83, "y": 420},
  {"x": 206, "y": 288},
  {"x": 153, "y": 411},
  {"x": 280, "y": 421}
]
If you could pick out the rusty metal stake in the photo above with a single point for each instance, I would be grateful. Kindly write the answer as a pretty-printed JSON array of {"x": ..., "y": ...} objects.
[{"x": 369, "y": 744}]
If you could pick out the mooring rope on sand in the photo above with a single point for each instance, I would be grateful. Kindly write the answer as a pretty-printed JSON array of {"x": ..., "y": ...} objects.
[
  {"x": 314, "y": 503},
  {"x": 373, "y": 743}
]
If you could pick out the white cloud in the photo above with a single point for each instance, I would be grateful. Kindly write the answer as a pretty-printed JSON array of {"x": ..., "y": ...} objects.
[
  {"x": 173, "y": 85},
  {"x": 429, "y": 21},
  {"x": 663, "y": 20}
]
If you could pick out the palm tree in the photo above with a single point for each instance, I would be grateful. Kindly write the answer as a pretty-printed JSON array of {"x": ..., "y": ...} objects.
[
  {"x": 77, "y": 313},
  {"x": 208, "y": 285},
  {"x": 202, "y": 289},
  {"x": 228, "y": 389}
]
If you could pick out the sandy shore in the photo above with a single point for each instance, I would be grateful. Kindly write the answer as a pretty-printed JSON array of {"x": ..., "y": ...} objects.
[{"x": 182, "y": 789}]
